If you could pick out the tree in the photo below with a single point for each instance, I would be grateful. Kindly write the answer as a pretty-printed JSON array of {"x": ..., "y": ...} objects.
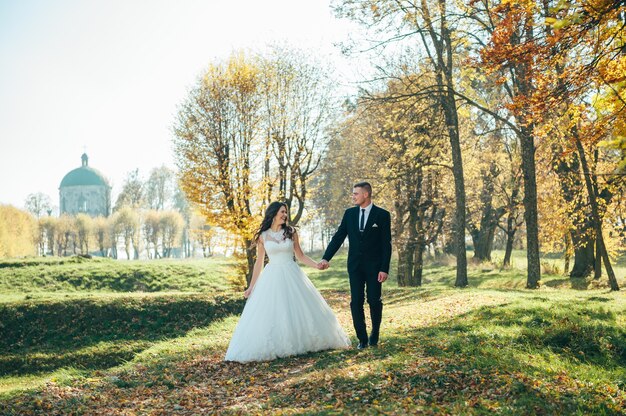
[
  {"x": 181, "y": 204},
  {"x": 598, "y": 27},
  {"x": 567, "y": 166},
  {"x": 342, "y": 167},
  {"x": 47, "y": 232},
  {"x": 215, "y": 131},
  {"x": 483, "y": 233},
  {"x": 298, "y": 109},
  {"x": 114, "y": 234},
  {"x": 203, "y": 234},
  {"x": 251, "y": 123},
  {"x": 159, "y": 188},
  {"x": 509, "y": 54},
  {"x": 409, "y": 135},
  {"x": 548, "y": 72},
  {"x": 152, "y": 232},
  {"x": 65, "y": 235},
  {"x": 561, "y": 77},
  {"x": 431, "y": 23},
  {"x": 38, "y": 204},
  {"x": 132, "y": 194},
  {"x": 84, "y": 230},
  {"x": 126, "y": 223},
  {"x": 18, "y": 232},
  {"x": 492, "y": 164},
  {"x": 510, "y": 188},
  {"x": 101, "y": 230},
  {"x": 172, "y": 225}
]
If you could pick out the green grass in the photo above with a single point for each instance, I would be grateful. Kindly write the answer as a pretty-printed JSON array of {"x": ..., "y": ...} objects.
[
  {"x": 492, "y": 348},
  {"x": 52, "y": 277},
  {"x": 63, "y": 340},
  {"x": 480, "y": 275}
]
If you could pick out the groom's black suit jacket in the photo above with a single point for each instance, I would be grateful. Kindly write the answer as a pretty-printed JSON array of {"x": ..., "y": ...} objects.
[{"x": 370, "y": 249}]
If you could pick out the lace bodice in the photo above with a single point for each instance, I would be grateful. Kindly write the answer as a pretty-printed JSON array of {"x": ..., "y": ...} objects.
[{"x": 278, "y": 248}]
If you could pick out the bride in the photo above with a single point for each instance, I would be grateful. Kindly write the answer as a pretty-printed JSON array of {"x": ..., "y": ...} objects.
[{"x": 284, "y": 314}]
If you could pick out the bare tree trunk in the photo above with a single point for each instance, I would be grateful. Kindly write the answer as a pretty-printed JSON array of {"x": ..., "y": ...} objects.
[
  {"x": 597, "y": 264},
  {"x": 458, "y": 227},
  {"x": 135, "y": 251},
  {"x": 404, "y": 271},
  {"x": 595, "y": 212},
  {"x": 418, "y": 267},
  {"x": 483, "y": 237},
  {"x": 250, "y": 259},
  {"x": 530, "y": 207},
  {"x": 510, "y": 236},
  {"x": 568, "y": 253},
  {"x": 584, "y": 255},
  {"x": 410, "y": 261},
  {"x": 580, "y": 236},
  {"x": 443, "y": 65}
]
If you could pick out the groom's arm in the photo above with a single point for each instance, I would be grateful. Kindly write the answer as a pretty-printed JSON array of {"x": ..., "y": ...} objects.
[
  {"x": 337, "y": 239},
  {"x": 386, "y": 243}
]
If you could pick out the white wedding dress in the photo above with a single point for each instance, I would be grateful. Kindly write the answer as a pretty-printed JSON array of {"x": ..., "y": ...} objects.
[{"x": 285, "y": 314}]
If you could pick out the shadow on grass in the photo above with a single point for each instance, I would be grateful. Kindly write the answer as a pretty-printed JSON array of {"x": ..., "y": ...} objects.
[
  {"x": 468, "y": 364},
  {"x": 475, "y": 362},
  {"x": 581, "y": 332},
  {"x": 573, "y": 283},
  {"x": 98, "y": 333},
  {"x": 401, "y": 295}
]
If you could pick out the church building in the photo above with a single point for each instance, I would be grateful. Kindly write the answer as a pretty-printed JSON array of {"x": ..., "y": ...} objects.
[{"x": 85, "y": 190}]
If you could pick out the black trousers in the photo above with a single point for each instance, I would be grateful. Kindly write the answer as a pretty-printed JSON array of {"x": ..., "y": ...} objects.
[{"x": 364, "y": 284}]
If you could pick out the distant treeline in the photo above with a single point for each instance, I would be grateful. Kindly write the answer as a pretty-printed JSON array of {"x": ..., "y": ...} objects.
[{"x": 133, "y": 231}]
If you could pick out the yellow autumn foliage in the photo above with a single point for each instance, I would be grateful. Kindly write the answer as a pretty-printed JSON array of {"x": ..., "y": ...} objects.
[{"x": 18, "y": 232}]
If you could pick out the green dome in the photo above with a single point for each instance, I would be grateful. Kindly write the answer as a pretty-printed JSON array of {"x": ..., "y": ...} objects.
[{"x": 84, "y": 175}]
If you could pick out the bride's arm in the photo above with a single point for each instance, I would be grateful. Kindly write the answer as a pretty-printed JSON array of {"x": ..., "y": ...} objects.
[
  {"x": 303, "y": 258},
  {"x": 258, "y": 266}
]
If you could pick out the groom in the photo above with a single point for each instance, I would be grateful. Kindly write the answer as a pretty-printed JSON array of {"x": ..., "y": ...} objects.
[{"x": 368, "y": 228}]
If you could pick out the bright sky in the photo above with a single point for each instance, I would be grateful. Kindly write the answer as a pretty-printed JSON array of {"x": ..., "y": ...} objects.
[{"x": 106, "y": 76}]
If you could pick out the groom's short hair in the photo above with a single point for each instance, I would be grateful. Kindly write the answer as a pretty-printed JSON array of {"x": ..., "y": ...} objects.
[{"x": 366, "y": 186}]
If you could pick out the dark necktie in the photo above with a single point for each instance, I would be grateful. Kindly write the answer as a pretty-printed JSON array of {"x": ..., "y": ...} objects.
[{"x": 362, "y": 225}]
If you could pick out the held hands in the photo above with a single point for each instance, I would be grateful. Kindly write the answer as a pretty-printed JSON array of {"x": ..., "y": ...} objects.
[
  {"x": 247, "y": 293},
  {"x": 382, "y": 276},
  {"x": 323, "y": 265}
]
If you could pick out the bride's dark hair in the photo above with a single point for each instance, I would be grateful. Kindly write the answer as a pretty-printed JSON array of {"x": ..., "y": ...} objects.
[{"x": 270, "y": 213}]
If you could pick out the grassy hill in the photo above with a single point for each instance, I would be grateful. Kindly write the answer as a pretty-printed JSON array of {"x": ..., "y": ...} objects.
[
  {"x": 45, "y": 277},
  {"x": 103, "y": 337}
]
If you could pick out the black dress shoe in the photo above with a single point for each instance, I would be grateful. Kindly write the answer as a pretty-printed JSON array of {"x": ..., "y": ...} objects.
[{"x": 362, "y": 345}]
